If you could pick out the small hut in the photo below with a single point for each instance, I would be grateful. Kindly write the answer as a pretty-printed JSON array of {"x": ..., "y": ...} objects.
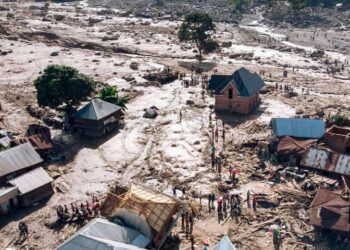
[{"x": 96, "y": 118}]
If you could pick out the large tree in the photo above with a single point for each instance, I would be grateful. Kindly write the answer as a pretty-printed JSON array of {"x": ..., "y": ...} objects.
[
  {"x": 198, "y": 27},
  {"x": 111, "y": 94},
  {"x": 62, "y": 85}
]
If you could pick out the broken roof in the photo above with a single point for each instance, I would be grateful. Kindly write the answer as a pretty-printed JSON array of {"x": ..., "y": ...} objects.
[
  {"x": 31, "y": 180},
  {"x": 289, "y": 146},
  {"x": 105, "y": 235},
  {"x": 96, "y": 109},
  {"x": 327, "y": 161},
  {"x": 17, "y": 158},
  {"x": 298, "y": 127},
  {"x": 39, "y": 141},
  {"x": 247, "y": 83},
  {"x": 330, "y": 210},
  {"x": 157, "y": 208}
]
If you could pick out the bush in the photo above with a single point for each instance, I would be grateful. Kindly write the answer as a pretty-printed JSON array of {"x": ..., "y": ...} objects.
[{"x": 338, "y": 119}]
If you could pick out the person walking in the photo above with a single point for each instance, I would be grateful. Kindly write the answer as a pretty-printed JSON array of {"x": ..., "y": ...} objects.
[
  {"x": 191, "y": 221},
  {"x": 248, "y": 199},
  {"x": 254, "y": 203},
  {"x": 180, "y": 115}
]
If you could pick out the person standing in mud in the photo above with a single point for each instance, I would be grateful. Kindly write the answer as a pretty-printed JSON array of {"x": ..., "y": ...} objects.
[
  {"x": 191, "y": 221},
  {"x": 248, "y": 199},
  {"x": 186, "y": 223},
  {"x": 183, "y": 221}
]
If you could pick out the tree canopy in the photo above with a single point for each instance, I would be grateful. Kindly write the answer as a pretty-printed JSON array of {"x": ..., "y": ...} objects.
[
  {"x": 60, "y": 84},
  {"x": 198, "y": 28},
  {"x": 111, "y": 94}
]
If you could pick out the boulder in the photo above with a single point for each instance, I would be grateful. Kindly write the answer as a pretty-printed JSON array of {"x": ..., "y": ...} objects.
[
  {"x": 55, "y": 53},
  {"x": 150, "y": 113},
  {"x": 226, "y": 44}
]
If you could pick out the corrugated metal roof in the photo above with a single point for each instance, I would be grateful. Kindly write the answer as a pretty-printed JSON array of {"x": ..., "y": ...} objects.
[
  {"x": 298, "y": 127},
  {"x": 31, "y": 180},
  {"x": 96, "y": 109},
  {"x": 5, "y": 141},
  {"x": 39, "y": 141},
  {"x": 216, "y": 80},
  {"x": 252, "y": 81},
  {"x": 8, "y": 193},
  {"x": 247, "y": 83},
  {"x": 330, "y": 210},
  {"x": 327, "y": 161},
  {"x": 103, "y": 234},
  {"x": 17, "y": 158}
]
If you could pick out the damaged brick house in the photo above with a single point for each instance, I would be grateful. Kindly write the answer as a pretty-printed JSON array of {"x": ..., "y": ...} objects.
[
  {"x": 338, "y": 139},
  {"x": 238, "y": 92}
]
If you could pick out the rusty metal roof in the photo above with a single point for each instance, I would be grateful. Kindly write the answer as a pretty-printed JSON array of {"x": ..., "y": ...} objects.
[
  {"x": 17, "y": 158},
  {"x": 39, "y": 141},
  {"x": 326, "y": 160},
  {"x": 330, "y": 210}
]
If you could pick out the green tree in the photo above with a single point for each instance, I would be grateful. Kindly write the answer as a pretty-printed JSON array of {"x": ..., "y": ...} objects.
[
  {"x": 60, "y": 84},
  {"x": 240, "y": 4},
  {"x": 198, "y": 28},
  {"x": 111, "y": 94},
  {"x": 296, "y": 6}
]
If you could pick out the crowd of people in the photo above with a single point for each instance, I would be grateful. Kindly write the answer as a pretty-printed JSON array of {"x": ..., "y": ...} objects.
[{"x": 78, "y": 213}]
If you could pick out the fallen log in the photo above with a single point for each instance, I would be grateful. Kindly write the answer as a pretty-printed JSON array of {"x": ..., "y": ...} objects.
[{"x": 262, "y": 224}]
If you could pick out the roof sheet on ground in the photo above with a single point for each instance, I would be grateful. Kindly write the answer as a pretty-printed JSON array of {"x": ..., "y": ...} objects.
[
  {"x": 17, "y": 158},
  {"x": 31, "y": 180},
  {"x": 103, "y": 234},
  {"x": 330, "y": 210},
  {"x": 298, "y": 127},
  {"x": 96, "y": 109},
  {"x": 225, "y": 244}
]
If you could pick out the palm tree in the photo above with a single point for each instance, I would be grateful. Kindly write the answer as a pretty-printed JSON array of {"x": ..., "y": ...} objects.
[{"x": 111, "y": 94}]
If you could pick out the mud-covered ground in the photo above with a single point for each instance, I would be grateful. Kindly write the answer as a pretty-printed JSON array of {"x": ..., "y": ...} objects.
[{"x": 164, "y": 152}]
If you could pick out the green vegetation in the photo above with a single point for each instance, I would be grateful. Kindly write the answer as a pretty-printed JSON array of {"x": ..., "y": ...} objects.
[
  {"x": 198, "y": 28},
  {"x": 338, "y": 119},
  {"x": 240, "y": 4},
  {"x": 111, "y": 94},
  {"x": 60, "y": 84}
]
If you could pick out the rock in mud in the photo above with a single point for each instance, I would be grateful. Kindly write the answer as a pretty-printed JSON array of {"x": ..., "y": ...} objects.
[
  {"x": 55, "y": 53},
  {"x": 151, "y": 113}
]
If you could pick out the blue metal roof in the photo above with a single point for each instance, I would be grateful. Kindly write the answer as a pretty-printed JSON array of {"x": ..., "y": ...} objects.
[
  {"x": 216, "y": 80},
  {"x": 247, "y": 83},
  {"x": 298, "y": 127}
]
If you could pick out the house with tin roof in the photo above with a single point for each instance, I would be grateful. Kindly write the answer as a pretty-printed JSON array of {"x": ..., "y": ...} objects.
[
  {"x": 96, "y": 118},
  {"x": 238, "y": 92}
]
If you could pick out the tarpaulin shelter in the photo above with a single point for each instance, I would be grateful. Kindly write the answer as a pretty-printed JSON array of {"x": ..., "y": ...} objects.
[
  {"x": 225, "y": 244},
  {"x": 331, "y": 211},
  {"x": 147, "y": 209}
]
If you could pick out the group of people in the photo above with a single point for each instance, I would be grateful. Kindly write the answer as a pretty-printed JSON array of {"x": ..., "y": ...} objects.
[{"x": 78, "y": 213}]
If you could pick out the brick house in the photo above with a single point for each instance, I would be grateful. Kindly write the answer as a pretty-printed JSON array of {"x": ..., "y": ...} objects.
[
  {"x": 238, "y": 92},
  {"x": 338, "y": 139}
]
